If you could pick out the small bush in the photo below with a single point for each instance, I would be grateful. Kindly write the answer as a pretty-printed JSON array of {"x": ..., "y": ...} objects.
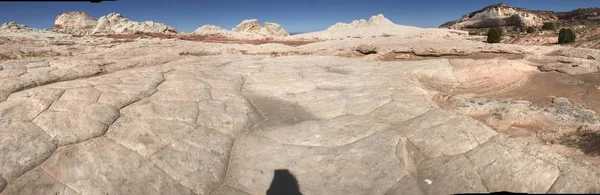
[
  {"x": 566, "y": 35},
  {"x": 473, "y": 33},
  {"x": 530, "y": 30},
  {"x": 494, "y": 35},
  {"x": 548, "y": 26}
]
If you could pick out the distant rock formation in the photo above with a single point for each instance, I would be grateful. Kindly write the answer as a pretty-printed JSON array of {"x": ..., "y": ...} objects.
[
  {"x": 76, "y": 22},
  {"x": 250, "y": 26},
  {"x": 209, "y": 30},
  {"x": 253, "y": 26},
  {"x": 500, "y": 15},
  {"x": 13, "y": 26},
  {"x": 377, "y": 20},
  {"x": 273, "y": 29},
  {"x": 114, "y": 23}
]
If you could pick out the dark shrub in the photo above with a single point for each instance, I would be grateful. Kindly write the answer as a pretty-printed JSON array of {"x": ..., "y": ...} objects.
[
  {"x": 494, "y": 35},
  {"x": 548, "y": 26},
  {"x": 530, "y": 30},
  {"x": 566, "y": 35},
  {"x": 473, "y": 33}
]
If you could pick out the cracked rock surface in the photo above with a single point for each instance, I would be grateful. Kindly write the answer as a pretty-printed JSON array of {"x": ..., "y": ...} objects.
[{"x": 141, "y": 118}]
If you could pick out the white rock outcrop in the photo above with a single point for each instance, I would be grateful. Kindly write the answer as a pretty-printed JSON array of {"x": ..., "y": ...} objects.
[
  {"x": 377, "y": 20},
  {"x": 496, "y": 15},
  {"x": 253, "y": 26},
  {"x": 76, "y": 22},
  {"x": 376, "y": 26},
  {"x": 117, "y": 23},
  {"x": 209, "y": 30},
  {"x": 13, "y": 26}
]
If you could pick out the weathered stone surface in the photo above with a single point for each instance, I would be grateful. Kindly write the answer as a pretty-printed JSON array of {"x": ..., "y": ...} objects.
[
  {"x": 73, "y": 121},
  {"x": 226, "y": 190},
  {"x": 502, "y": 166},
  {"x": 37, "y": 181},
  {"x": 82, "y": 94},
  {"x": 449, "y": 136},
  {"x": 406, "y": 185},
  {"x": 199, "y": 160},
  {"x": 577, "y": 178},
  {"x": 2, "y": 184},
  {"x": 22, "y": 147},
  {"x": 231, "y": 117},
  {"x": 147, "y": 136},
  {"x": 338, "y": 131},
  {"x": 183, "y": 90},
  {"x": 102, "y": 166},
  {"x": 166, "y": 110},
  {"x": 449, "y": 175},
  {"x": 340, "y": 170}
]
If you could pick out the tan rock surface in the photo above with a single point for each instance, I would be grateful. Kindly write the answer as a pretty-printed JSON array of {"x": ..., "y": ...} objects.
[{"x": 169, "y": 116}]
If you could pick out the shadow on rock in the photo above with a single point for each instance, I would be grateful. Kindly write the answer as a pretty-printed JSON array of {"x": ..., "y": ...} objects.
[{"x": 284, "y": 183}]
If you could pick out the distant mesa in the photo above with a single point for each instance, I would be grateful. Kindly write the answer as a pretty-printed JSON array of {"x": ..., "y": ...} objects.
[{"x": 81, "y": 23}]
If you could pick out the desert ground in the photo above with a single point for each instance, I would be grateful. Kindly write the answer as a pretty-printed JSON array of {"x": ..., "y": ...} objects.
[{"x": 369, "y": 107}]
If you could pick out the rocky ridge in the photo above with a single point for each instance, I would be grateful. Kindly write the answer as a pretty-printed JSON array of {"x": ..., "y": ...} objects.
[
  {"x": 80, "y": 23},
  {"x": 13, "y": 27},
  {"x": 498, "y": 15},
  {"x": 376, "y": 26}
]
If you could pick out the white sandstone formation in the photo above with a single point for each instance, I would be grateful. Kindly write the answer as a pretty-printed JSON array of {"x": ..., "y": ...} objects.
[
  {"x": 496, "y": 15},
  {"x": 209, "y": 30},
  {"x": 13, "y": 26},
  {"x": 247, "y": 29},
  {"x": 76, "y": 22},
  {"x": 253, "y": 26},
  {"x": 115, "y": 23},
  {"x": 378, "y": 26}
]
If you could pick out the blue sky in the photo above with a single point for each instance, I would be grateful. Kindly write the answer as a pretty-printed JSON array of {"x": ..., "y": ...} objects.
[{"x": 294, "y": 16}]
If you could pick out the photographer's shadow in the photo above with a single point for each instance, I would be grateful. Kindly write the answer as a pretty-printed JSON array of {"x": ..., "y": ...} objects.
[{"x": 284, "y": 183}]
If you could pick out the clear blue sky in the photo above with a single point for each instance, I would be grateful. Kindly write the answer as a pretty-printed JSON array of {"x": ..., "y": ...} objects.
[{"x": 293, "y": 15}]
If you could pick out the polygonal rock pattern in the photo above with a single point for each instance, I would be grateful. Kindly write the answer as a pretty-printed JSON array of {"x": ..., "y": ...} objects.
[
  {"x": 37, "y": 181},
  {"x": 502, "y": 167},
  {"x": 318, "y": 169},
  {"x": 22, "y": 147},
  {"x": 198, "y": 160},
  {"x": 163, "y": 123},
  {"x": 102, "y": 166},
  {"x": 74, "y": 121},
  {"x": 439, "y": 133}
]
